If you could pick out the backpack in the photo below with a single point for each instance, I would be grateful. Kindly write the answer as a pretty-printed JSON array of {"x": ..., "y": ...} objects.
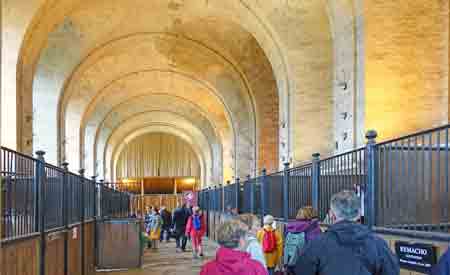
[
  {"x": 294, "y": 242},
  {"x": 196, "y": 222},
  {"x": 269, "y": 242}
]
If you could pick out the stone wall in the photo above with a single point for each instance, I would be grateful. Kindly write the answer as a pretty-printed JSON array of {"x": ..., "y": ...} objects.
[{"x": 406, "y": 72}]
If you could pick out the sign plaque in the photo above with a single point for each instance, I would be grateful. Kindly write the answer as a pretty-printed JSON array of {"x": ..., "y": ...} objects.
[{"x": 416, "y": 256}]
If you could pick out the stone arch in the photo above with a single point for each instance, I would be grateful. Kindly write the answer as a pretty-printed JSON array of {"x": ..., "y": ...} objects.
[
  {"x": 179, "y": 136},
  {"x": 216, "y": 10},
  {"x": 127, "y": 131},
  {"x": 159, "y": 103}
]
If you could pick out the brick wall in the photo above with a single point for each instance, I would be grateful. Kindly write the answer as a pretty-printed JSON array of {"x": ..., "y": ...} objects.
[{"x": 406, "y": 65}]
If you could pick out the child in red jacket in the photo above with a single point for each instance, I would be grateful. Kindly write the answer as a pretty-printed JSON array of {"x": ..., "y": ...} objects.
[{"x": 196, "y": 228}]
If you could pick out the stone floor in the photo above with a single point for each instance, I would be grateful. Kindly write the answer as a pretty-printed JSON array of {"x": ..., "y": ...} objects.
[{"x": 165, "y": 261}]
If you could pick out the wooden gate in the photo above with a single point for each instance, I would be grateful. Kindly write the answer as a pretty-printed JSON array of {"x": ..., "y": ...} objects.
[
  {"x": 170, "y": 201},
  {"x": 119, "y": 244}
]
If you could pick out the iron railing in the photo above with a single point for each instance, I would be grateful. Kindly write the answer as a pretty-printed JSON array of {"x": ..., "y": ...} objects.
[
  {"x": 38, "y": 197},
  {"x": 403, "y": 185},
  {"x": 413, "y": 181}
]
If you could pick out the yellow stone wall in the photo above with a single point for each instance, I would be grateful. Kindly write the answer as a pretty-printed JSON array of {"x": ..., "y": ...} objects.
[{"x": 406, "y": 65}]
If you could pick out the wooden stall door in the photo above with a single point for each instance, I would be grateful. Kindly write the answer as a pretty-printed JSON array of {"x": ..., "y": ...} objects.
[
  {"x": 20, "y": 258},
  {"x": 119, "y": 244},
  {"x": 54, "y": 257}
]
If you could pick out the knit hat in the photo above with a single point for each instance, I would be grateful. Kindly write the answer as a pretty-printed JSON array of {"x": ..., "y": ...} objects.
[{"x": 268, "y": 220}]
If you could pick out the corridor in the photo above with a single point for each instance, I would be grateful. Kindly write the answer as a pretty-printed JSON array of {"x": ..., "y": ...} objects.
[{"x": 166, "y": 261}]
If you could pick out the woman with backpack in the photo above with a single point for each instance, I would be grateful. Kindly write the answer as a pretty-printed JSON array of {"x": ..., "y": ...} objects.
[
  {"x": 271, "y": 242},
  {"x": 196, "y": 228},
  {"x": 305, "y": 228}
]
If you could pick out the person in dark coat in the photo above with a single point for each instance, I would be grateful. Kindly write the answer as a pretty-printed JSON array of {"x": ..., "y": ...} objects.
[
  {"x": 167, "y": 223},
  {"x": 347, "y": 247},
  {"x": 179, "y": 222},
  {"x": 443, "y": 267}
]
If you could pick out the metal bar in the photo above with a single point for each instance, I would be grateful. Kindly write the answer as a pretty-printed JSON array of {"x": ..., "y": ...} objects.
[
  {"x": 446, "y": 175},
  {"x": 83, "y": 202},
  {"x": 40, "y": 175},
  {"x": 263, "y": 194},
  {"x": 316, "y": 181},
  {"x": 371, "y": 178},
  {"x": 286, "y": 192},
  {"x": 67, "y": 200}
]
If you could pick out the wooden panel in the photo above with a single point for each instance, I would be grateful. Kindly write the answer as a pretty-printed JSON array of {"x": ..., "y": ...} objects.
[
  {"x": 20, "y": 258},
  {"x": 74, "y": 250},
  {"x": 54, "y": 257},
  {"x": 170, "y": 201},
  {"x": 89, "y": 248},
  {"x": 115, "y": 238}
]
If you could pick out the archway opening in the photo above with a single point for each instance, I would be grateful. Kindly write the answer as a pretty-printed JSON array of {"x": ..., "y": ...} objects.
[{"x": 160, "y": 163}]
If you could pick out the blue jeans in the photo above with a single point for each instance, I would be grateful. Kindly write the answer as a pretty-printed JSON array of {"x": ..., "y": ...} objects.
[{"x": 271, "y": 270}]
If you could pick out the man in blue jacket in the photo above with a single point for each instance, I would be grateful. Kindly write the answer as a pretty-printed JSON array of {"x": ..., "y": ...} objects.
[
  {"x": 347, "y": 247},
  {"x": 443, "y": 267}
]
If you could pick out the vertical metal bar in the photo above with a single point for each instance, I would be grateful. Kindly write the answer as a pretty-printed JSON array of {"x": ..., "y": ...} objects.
[
  {"x": 416, "y": 181},
  {"x": 286, "y": 192},
  {"x": 40, "y": 181},
  {"x": 438, "y": 175},
  {"x": 401, "y": 181},
  {"x": 237, "y": 193},
  {"x": 251, "y": 185},
  {"x": 391, "y": 194},
  {"x": 430, "y": 182},
  {"x": 316, "y": 181},
  {"x": 67, "y": 199},
  {"x": 446, "y": 175},
  {"x": 97, "y": 202},
  {"x": 263, "y": 194},
  {"x": 83, "y": 203},
  {"x": 371, "y": 194}
]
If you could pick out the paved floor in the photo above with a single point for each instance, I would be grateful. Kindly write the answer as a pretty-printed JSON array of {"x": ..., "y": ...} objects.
[{"x": 165, "y": 261}]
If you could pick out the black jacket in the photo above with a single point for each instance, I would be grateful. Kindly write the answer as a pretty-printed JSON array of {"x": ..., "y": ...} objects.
[
  {"x": 180, "y": 219},
  {"x": 443, "y": 267},
  {"x": 347, "y": 249},
  {"x": 167, "y": 219}
]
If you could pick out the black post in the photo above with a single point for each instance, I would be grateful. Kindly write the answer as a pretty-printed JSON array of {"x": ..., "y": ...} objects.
[
  {"x": 208, "y": 209},
  {"x": 83, "y": 217},
  {"x": 238, "y": 192},
  {"x": 96, "y": 216},
  {"x": 222, "y": 195},
  {"x": 315, "y": 175},
  {"x": 286, "y": 192},
  {"x": 252, "y": 194},
  {"x": 370, "y": 194},
  {"x": 66, "y": 200},
  {"x": 41, "y": 181},
  {"x": 97, "y": 197},
  {"x": 263, "y": 194}
]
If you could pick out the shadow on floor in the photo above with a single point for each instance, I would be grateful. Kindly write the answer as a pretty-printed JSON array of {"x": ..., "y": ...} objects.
[{"x": 165, "y": 261}]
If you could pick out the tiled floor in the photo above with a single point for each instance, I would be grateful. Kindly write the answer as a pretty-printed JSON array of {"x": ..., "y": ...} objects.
[{"x": 166, "y": 261}]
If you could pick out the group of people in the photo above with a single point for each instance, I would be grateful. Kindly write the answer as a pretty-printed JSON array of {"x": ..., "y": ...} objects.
[
  {"x": 346, "y": 247},
  {"x": 185, "y": 223},
  {"x": 303, "y": 248}
]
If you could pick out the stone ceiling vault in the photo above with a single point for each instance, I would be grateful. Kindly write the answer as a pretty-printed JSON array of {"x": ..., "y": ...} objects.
[{"x": 259, "y": 58}]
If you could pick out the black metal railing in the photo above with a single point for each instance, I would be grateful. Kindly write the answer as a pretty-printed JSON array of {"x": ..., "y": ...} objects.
[
  {"x": 300, "y": 189},
  {"x": 413, "y": 181},
  {"x": 38, "y": 197},
  {"x": 403, "y": 184},
  {"x": 341, "y": 172}
]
